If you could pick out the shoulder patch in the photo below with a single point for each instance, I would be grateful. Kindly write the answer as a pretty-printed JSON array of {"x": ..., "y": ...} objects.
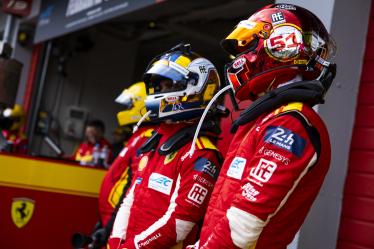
[
  {"x": 285, "y": 139},
  {"x": 205, "y": 166},
  {"x": 205, "y": 143}
]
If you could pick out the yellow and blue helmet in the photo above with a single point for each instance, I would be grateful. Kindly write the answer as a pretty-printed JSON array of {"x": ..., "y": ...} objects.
[
  {"x": 132, "y": 99},
  {"x": 180, "y": 84}
]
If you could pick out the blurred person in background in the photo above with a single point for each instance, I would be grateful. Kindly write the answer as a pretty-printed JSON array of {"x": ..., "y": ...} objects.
[
  {"x": 120, "y": 137},
  {"x": 120, "y": 175},
  {"x": 95, "y": 150},
  {"x": 13, "y": 120}
]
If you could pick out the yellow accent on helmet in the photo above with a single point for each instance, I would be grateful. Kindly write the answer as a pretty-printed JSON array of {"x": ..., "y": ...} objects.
[
  {"x": 245, "y": 32},
  {"x": 183, "y": 61},
  {"x": 17, "y": 114},
  {"x": 210, "y": 91},
  {"x": 133, "y": 98}
]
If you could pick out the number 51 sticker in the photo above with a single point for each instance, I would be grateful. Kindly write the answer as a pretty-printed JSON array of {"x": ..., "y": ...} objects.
[{"x": 284, "y": 42}]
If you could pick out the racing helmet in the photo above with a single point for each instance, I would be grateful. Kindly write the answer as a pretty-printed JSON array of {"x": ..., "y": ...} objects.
[
  {"x": 132, "y": 99},
  {"x": 16, "y": 116},
  {"x": 180, "y": 83},
  {"x": 277, "y": 44}
]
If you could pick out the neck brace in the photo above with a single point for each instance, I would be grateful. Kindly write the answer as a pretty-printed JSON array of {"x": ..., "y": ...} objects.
[
  {"x": 179, "y": 139},
  {"x": 308, "y": 92}
]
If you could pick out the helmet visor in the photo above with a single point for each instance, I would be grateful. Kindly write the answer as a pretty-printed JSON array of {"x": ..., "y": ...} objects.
[
  {"x": 165, "y": 76},
  {"x": 125, "y": 99},
  {"x": 245, "y": 35}
]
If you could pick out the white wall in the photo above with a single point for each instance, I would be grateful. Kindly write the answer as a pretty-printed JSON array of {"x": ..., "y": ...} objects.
[{"x": 342, "y": 18}]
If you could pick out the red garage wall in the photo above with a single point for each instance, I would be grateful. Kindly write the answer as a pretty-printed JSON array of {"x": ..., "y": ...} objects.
[{"x": 357, "y": 219}]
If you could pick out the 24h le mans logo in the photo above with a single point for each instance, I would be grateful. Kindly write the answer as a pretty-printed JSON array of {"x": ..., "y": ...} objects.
[{"x": 22, "y": 211}]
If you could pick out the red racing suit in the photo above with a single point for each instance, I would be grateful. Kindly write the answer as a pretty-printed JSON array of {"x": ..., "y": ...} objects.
[
  {"x": 169, "y": 197},
  {"x": 16, "y": 140},
  {"x": 84, "y": 153},
  {"x": 119, "y": 173},
  {"x": 271, "y": 175}
]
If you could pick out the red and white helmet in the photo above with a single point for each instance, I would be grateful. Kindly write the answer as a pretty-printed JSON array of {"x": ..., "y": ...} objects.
[{"x": 276, "y": 45}]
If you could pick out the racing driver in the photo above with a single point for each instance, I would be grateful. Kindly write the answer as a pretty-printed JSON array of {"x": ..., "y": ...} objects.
[
  {"x": 280, "y": 153},
  {"x": 168, "y": 199}
]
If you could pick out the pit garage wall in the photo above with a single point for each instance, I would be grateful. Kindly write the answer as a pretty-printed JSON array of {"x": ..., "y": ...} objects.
[
  {"x": 347, "y": 21},
  {"x": 94, "y": 79}
]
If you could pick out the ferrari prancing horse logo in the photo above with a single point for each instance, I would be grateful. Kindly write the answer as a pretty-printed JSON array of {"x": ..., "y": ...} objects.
[{"x": 22, "y": 211}]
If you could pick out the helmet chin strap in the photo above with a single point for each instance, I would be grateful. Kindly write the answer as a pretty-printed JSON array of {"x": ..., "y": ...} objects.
[
  {"x": 211, "y": 102},
  {"x": 136, "y": 127}
]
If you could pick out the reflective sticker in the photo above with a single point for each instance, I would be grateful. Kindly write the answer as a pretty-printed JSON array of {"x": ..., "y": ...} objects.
[
  {"x": 247, "y": 24},
  {"x": 236, "y": 168},
  {"x": 204, "y": 165},
  {"x": 160, "y": 183},
  {"x": 264, "y": 170},
  {"x": 197, "y": 194},
  {"x": 284, "y": 43},
  {"x": 285, "y": 139}
]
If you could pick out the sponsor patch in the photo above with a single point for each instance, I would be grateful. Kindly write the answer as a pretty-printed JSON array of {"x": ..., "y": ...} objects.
[
  {"x": 160, "y": 183},
  {"x": 197, "y": 194},
  {"x": 277, "y": 18},
  {"x": 153, "y": 238},
  {"x": 239, "y": 63},
  {"x": 236, "y": 168},
  {"x": 172, "y": 99},
  {"x": 286, "y": 6},
  {"x": 249, "y": 192},
  {"x": 285, "y": 42},
  {"x": 204, "y": 165},
  {"x": 203, "y": 181},
  {"x": 285, "y": 139},
  {"x": 275, "y": 155},
  {"x": 264, "y": 170}
]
